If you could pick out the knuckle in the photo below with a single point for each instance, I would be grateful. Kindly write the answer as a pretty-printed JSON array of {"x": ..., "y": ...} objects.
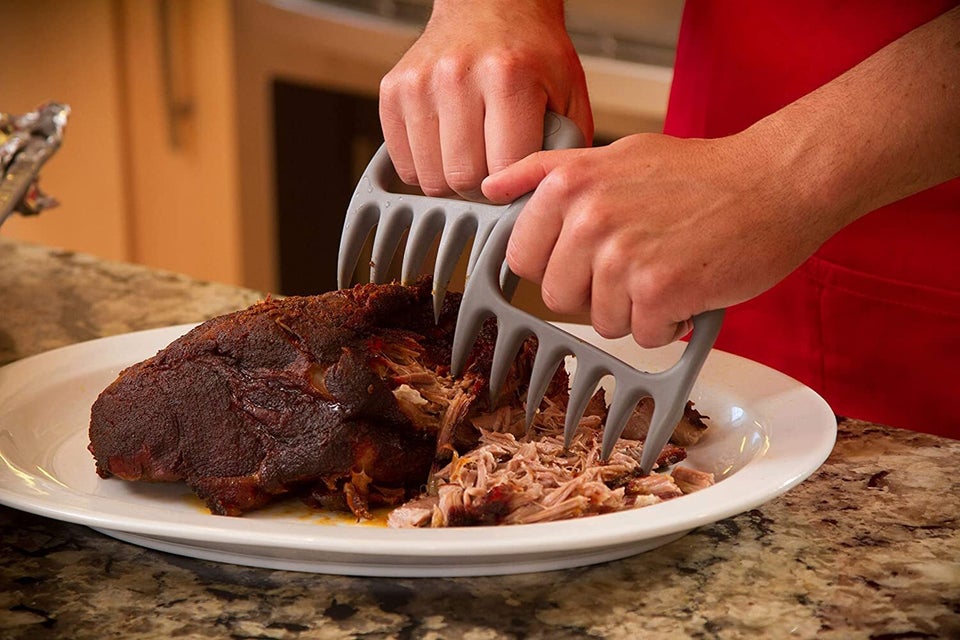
[
  {"x": 400, "y": 85},
  {"x": 510, "y": 155},
  {"x": 435, "y": 188},
  {"x": 561, "y": 182},
  {"x": 653, "y": 294},
  {"x": 451, "y": 71},
  {"x": 430, "y": 176},
  {"x": 651, "y": 288},
  {"x": 407, "y": 84},
  {"x": 502, "y": 161},
  {"x": 505, "y": 67},
  {"x": 648, "y": 338},
  {"x": 516, "y": 260},
  {"x": 406, "y": 173},
  {"x": 402, "y": 162},
  {"x": 582, "y": 226},
  {"x": 512, "y": 76},
  {"x": 389, "y": 88},
  {"x": 611, "y": 260},
  {"x": 552, "y": 300},
  {"x": 609, "y": 265},
  {"x": 561, "y": 296},
  {"x": 612, "y": 216},
  {"x": 607, "y": 328},
  {"x": 649, "y": 332},
  {"x": 463, "y": 177}
]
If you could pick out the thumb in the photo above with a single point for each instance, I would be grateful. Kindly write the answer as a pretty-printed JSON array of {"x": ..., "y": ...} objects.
[{"x": 522, "y": 177}]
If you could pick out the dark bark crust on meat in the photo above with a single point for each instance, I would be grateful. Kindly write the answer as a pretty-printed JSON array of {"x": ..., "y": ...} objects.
[{"x": 289, "y": 396}]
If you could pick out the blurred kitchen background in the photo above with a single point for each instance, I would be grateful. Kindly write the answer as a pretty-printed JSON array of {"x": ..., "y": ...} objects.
[{"x": 223, "y": 138}]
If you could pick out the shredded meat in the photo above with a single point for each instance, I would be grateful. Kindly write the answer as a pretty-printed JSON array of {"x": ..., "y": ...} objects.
[{"x": 534, "y": 478}]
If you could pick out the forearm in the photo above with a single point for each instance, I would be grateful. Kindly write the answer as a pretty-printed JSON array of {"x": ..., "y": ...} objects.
[
  {"x": 886, "y": 129},
  {"x": 465, "y": 10}
]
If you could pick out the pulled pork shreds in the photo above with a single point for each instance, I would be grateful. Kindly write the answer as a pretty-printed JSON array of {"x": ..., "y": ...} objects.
[{"x": 529, "y": 478}]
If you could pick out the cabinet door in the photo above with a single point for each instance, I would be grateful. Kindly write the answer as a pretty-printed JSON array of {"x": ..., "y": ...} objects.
[
  {"x": 147, "y": 172},
  {"x": 68, "y": 52},
  {"x": 178, "y": 77}
]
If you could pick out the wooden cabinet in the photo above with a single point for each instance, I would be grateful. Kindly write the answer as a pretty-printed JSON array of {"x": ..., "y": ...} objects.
[
  {"x": 148, "y": 171},
  {"x": 69, "y": 52}
]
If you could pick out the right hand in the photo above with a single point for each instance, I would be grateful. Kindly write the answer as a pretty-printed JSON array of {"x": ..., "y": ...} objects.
[{"x": 468, "y": 98}]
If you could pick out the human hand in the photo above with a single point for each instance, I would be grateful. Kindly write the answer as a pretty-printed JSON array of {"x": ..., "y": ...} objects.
[
  {"x": 652, "y": 230},
  {"x": 469, "y": 96}
]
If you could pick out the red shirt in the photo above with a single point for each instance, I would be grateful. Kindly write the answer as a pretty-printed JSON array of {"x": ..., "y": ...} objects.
[{"x": 872, "y": 320}]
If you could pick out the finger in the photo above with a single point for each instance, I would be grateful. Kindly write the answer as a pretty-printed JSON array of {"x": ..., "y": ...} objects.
[
  {"x": 566, "y": 286},
  {"x": 462, "y": 147},
  {"x": 580, "y": 112},
  {"x": 610, "y": 303},
  {"x": 650, "y": 330},
  {"x": 396, "y": 138},
  {"x": 423, "y": 136},
  {"x": 534, "y": 236},
  {"x": 524, "y": 176},
  {"x": 513, "y": 128}
]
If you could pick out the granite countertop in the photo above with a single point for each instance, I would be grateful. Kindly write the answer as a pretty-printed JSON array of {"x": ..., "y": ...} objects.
[{"x": 868, "y": 547}]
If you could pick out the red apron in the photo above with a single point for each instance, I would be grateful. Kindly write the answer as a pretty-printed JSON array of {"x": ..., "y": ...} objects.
[{"x": 872, "y": 320}]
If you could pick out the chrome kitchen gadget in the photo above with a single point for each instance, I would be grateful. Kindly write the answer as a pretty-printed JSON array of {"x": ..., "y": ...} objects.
[
  {"x": 26, "y": 142},
  {"x": 490, "y": 287}
]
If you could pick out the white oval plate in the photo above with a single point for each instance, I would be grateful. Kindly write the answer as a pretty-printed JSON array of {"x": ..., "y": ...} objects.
[{"x": 768, "y": 433}]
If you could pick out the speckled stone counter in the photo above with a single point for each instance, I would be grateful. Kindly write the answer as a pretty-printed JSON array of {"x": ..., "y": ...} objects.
[{"x": 868, "y": 547}]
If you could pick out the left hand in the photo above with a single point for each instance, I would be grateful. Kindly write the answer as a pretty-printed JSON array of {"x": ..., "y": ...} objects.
[{"x": 652, "y": 230}]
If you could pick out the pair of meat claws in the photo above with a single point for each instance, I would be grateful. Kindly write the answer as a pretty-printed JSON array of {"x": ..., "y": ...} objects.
[{"x": 490, "y": 287}]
